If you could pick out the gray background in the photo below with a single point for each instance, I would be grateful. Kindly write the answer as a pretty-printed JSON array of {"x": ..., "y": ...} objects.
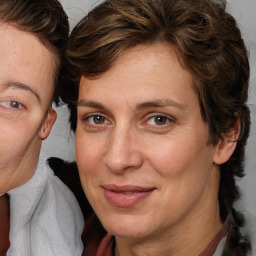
[{"x": 61, "y": 141}]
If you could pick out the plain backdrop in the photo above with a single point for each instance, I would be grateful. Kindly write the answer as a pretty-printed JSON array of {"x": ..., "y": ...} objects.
[{"x": 61, "y": 141}]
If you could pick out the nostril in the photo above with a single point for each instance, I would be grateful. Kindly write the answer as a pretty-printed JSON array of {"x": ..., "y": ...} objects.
[{"x": 121, "y": 161}]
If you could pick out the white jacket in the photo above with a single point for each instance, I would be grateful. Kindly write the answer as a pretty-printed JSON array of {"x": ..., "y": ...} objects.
[{"x": 45, "y": 218}]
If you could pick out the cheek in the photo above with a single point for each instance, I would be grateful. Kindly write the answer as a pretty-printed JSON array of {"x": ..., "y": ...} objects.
[
  {"x": 179, "y": 164},
  {"x": 170, "y": 157},
  {"x": 184, "y": 179},
  {"x": 15, "y": 140},
  {"x": 88, "y": 155},
  {"x": 178, "y": 153},
  {"x": 87, "y": 162},
  {"x": 14, "y": 136}
]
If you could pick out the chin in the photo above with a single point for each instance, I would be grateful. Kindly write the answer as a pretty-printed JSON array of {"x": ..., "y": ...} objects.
[{"x": 127, "y": 226}]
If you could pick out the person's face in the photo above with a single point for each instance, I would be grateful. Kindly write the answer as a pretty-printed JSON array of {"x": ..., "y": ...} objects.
[
  {"x": 142, "y": 147},
  {"x": 26, "y": 88}
]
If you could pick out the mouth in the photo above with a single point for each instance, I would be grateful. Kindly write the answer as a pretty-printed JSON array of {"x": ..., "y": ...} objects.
[{"x": 126, "y": 196}]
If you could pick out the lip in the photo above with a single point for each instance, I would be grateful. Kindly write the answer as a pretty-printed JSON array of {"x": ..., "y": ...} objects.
[{"x": 126, "y": 196}]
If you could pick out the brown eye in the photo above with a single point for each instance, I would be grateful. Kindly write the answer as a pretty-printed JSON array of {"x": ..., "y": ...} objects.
[
  {"x": 98, "y": 119},
  {"x": 14, "y": 104},
  {"x": 160, "y": 120}
]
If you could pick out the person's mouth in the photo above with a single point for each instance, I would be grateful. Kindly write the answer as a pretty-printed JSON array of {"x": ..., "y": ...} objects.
[{"x": 126, "y": 196}]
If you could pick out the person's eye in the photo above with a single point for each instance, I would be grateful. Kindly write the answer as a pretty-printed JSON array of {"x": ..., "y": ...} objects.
[
  {"x": 96, "y": 119},
  {"x": 159, "y": 120},
  {"x": 11, "y": 104}
]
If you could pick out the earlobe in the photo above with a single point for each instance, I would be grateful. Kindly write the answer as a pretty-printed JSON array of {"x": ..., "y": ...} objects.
[
  {"x": 227, "y": 145},
  {"x": 47, "y": 124}
]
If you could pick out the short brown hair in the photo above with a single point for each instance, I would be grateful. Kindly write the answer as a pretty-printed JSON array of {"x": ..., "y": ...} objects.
[
  {"x": 207, "y": 40},
  {"x": 46, "y": 20}
]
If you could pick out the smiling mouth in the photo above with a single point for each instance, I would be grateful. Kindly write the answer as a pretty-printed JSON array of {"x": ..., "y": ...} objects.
[{"x": 126, "y": 196}]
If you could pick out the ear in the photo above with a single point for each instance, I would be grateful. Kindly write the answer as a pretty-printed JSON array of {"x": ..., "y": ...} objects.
[
  {"x": 47, "y": 124},
  {"x": 227, "y": 145}
]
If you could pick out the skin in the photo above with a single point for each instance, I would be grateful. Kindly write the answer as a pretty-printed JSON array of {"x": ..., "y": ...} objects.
[
  {"x": 26, "y": 118},
  {"x": 139, "y": 124}
]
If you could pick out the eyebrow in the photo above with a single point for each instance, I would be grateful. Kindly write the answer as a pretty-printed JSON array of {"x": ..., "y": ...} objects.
[
  {"x": 91, "y": 104},
  {"x": 160, "y": 103},
  {"x": 21, "y": 86},
  {"x": 141, "y": 106}
]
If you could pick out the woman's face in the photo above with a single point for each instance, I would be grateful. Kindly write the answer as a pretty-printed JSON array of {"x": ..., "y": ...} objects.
[{"x": 142, "y": 147}]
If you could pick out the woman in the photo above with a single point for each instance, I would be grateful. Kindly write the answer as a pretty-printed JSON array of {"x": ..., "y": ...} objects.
[{"x": 160, "y": 89}]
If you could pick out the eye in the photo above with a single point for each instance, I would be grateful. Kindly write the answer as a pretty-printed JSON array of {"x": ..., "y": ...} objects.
[
  {"x": 96, "y": 119},
  {"x": 159, "y": 120},
  {"x": 11, "y": 104}
]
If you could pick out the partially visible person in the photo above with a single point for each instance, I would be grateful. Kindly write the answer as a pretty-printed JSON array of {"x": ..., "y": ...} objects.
[
  {"x": 158, "y": 98},
  {"x": 45, "y": 218}
]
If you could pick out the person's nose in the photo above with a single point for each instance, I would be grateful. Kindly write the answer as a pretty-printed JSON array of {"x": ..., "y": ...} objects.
[{"x": 123, "y": 151}]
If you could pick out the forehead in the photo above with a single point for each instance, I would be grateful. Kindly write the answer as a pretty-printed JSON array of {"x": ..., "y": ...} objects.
[
  {"x": 24, "y": 59},
  {"x": 155, "y": 67}
]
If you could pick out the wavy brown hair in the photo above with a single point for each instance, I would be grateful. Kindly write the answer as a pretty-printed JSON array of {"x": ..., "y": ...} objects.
[
  {"x": 209, "y": 44},
  {"x": 46, "y": 20}
]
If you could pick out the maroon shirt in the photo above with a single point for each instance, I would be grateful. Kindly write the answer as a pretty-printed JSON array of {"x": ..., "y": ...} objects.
[{"x": 4, "y": 224}]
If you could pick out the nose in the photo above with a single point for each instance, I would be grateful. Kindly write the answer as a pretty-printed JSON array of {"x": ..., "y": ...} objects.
[{"x": 123, "y": 151}]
